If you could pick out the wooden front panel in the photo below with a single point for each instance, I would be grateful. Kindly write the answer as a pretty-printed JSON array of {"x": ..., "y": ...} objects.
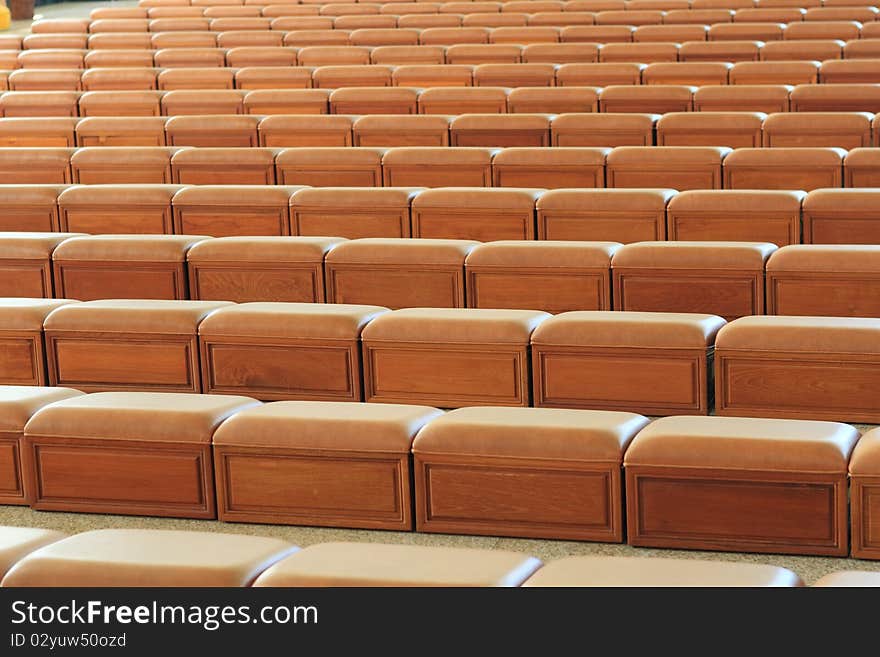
[
  {"x": 601, "y": 138},
  {"x": 21, "y": 358},
  {"x": 553, "y": 290},
  {"x": 12, "y": 489},
  {"x": 26, "y": 278},
  {"x": 88, "y": 281},
  {"x": 823, "y": 293},
  {"x": 865, "y": 517},
  {"x": 852, "y": 229},
  {"x": 682, "y": 179},
  {"x": 133, "y": 139},
  {"x": 549, "y": 178},
  {"x": 127, "y": 477},
  {"x": 860, "y": 177},
  {"x": 130, "y": 174},
  {"x": 415, "y": 138},
  {"x": 446, "y": 375},
  {"x": 103, "y": 361},
  {"x": 465, "y": 224},
  {"x": 28, "y": 176},
  {"x": 500, "y": 138},
  {"x": 780, "y": 230},
  {"x": 609, "y": 227},
  {"x": 728, "y": 294},
  {"x": 396, "y": 287},
  {"x": 196, "y": 175},
  {"x": 783, "y": 178},
  {"x": 231, "y": 221},
  {"x": 303, "y": 139},
  {"x": 331, "y": 489},
  {"x": 351, "y": 223},
  {"x": 845, "y": 140},
  {"x": 839, "y": 387},
  {"x": 732, "y": 139},
  {"x": 331, "y": 176},
  {"x": 284, "y": 369},
  {"x": 242, "y": 282},
  {"x": 212, "y": 140},
  {"x": 518, "y": 497},
  {"x": 38, "y": 141},
  {"x": 128, "y": 220},
  {"x": 649, "y": 381},
  {"x": 29, "y": 219},
  {"x": 406, "y": 175},
  {"x": 794, "y": 513}
]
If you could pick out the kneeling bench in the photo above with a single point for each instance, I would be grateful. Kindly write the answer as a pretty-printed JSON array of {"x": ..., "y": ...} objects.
[
  {"x": 22, "y": 354},
  {"x": 129, "y": 453},
  {"x": 377, "y": 564},
  {"x": 814, "y": 368},
  {"x": 17, "y": 542},
  {"x": 536, "y": 472},
  {"x": 149, "y": 557},
  {"x": 319, "y": 463},
  {"x": 864, "y": 475},
  {"x": 739, "y": 484}
]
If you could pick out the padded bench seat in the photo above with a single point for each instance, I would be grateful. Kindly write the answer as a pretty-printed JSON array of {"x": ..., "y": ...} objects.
[
  {"x": 30, "y": 208},
  {"x": 117, "y": 209},
  {"x": 18, "y": 542},
  {"x": 377, "y": 564},
  {"x": 740, "y": 484},
  {"x": 352, "y": 213},
  {"x": 319, "y": 463},
  {"x": 22, "y": 359},
  {"x": 550, "y": 168},
  {"x": 474, "y": 213},
  {"x": 232, "y": 210},
  {"x": 864, "y": 475},
  {"x": 26, "y": 263},
  {"x": 137, "y": 453},
  {"x": 533, "y": 472}
]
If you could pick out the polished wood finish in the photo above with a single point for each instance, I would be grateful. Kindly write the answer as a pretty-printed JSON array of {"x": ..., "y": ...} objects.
[
  {"x": 482, "y": 224},
  {"x": 823, "y": 293},
  {"x": 329, "y": 175},
  {"x": 27, "y": 218},
  {"x": 350, "y": 488},
  {"x": 639, "y": 380},
  {"x": 26, "y": 277},
  {"x": 551, "y": 289},
  {"x": 586, "y": 224},
  {"x": 865, "y": 516},
  {"x": 13, "y": 489},
  {"x": 548, "y": 176},
  {"x": 22, "y": 359},
  {"x": 829, "y": 227},
  {"x": 275, "y": 369},
  {"x": 535, "y": 498},
  {"x": 779, "y": 228},
  {"x": 256, "y": 281},
  {"x": 737, "y": 510},
  {"x": 96, "y": 362},
  {"x": 120, "y": 476},
  {"x": 730, "y": 294},
  {"x": 401, "y": 286},
  {"x": 814, "y": 386},
  {"x": 230, "y": 174},
  {"x": 446, "y": 375},
  {"x": 351, "y": 223},
  {"x": 130, "y": 219},
  {"x": 89, "y": 281},
  {"x": 231, "y": 220}
]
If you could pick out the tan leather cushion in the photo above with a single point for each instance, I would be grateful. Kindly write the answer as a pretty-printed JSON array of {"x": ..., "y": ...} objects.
[
  {"x": 374, "y": 94},
  {"x": 344, "y": 197},
  {"x": 805, "y": 123},
  {"x": 327, "y": 426},
  {"x": 129, "y": 248},
  {"x": 13, "y": 99},
  {"x": 144, "y": 416},
  {"x": 20, "y": 126},
  {"x": 655, "y": 572},
  {"x": 647, "y": 93},
  {"x": 149, "y": 557},
  {"x": 439, "y": 156},
  {"x": 545, "y": 433},
  {"x": 469, "y": 198},
  {"x": 842, "y": 202},
  {"x": 392, "y": 123},
  {"x": 720, "y": 121},
  {"x": 710, "y": 202},
  {"x": 740, "y": 443},
  {"x": 133, "y": 316},
  {"x": 463, "y": 95},
  {"x": 17, "y": 542},
  {"x": 866, "y": 157},
  {"x": 866, "y": 456},
  {"x": 330, "y": 155},
  {"x": 454, "y": 325},
  {"x": 229, "y": 157},
  {"x": 773, "y": 93},
  {"x": 291, "y": 320},
  {"x": 811, "y": 334},
  {"x": 257, "y": 250},
  {"x": 27, "y": 246},
  {"x": 826, "y": 258},
  {"x": 19, "y": 403},
  {"x": 36, "y": 158},
  {"x": 694, "y": 255},
  {"x": 549, "y": 157},
  {"x": 307, "y": 123},
  {"x": 375, "y": 564},
  {"x": 544, "y": 254},
  {"x": 382, "y": 250},
  {"x": 611, "y": 200},
  {"x": 226, "y": 196},
  {"x": 849, "y": 578},
  {"x": 466, "y": 122},
  {"x": 604, "y": 328},
  {"x": 123, "y": 155},
  {"x": 609, "y": 121},
  {"x": 118, "y": 195},
  {"x": 662, "y": 156},
  {"x": 785, "y": 158},
  {"x": 211, "y": 124},
  {"x": 20, "y": 314},
  {"x": 31, "y": 195}
]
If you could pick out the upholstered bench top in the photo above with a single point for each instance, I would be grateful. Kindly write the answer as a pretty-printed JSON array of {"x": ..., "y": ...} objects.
[
  {"x": 209, "y": 123},
  {"x": 811, "y": 334},
  {"x": 826, "y": 258},
  {"x": 20, "y": 314},
  {"x": 130, "y": 248},
  {"x": 134, "y": 316},
  {"x": 603, "y": 328},
  {"x": 326, "y": 426},
  {"x": 662, "y": 156},
  {"x": 693, "y": 255},
  {"x": 733, "y": 443},
  {"x": 307, "y": 123},
  {"x": 842, "y": 202},
  {"x": 785, "y": 157},
  {"x": 454, "y": 325},
  {"x": 391, "y": 123},
  {"x": 291, "y": 320},
  {"x": 118, "y": 195},
  {"x": 121, "y": 155},
  {"x": 574, "y": 156},
  {"x": 330, "y": 155},
  {"x": 261, "y": 249},
  {"x": 630, "y": 122},
  {"x": 226, "y": 156},
  {"x": 16, "y": 542},
  {"x": 849, "y": 578},
  {"x": 19, "y": 403},
  {"x": 374, "y": 564},
  {"x": 15, "y": 195},
  {"x": 546, "y": 433},
  {"x": 638, "y": 571},
  {"x": 440, "y": 155},
  {"x": 473, "y": 198},
  {"x": 378, "y": 197},
  {"x": 866, "y": 456},
  {"x": 147, "y": 416},
  {"x": 28, "y": 246},
  {"x": 608, "y": 200},
  {"x": 545, "y": 253},
  {"x": 501, "y": 121},
  {"x": 149, "y": 557},
  {"x": 711, "y": 202},
  {"x": 380, "y": 251}
]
